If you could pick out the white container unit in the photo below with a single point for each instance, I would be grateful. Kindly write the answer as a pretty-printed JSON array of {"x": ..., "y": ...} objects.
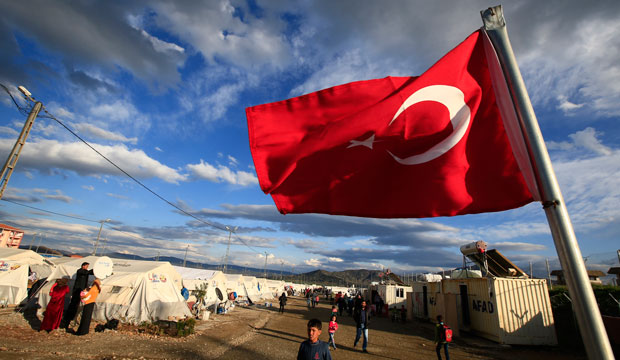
[{"x": 505, "y": 310}]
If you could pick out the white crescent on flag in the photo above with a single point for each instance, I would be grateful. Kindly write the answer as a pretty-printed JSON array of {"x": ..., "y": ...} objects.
[{"x": 460, "y": 114}]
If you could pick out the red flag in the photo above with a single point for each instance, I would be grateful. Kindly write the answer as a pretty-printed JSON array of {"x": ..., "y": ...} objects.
[{"x": 432, "y": 145}]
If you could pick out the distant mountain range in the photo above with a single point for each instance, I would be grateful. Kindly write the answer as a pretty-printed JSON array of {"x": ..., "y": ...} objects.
[{"x": 361, "y": 277}]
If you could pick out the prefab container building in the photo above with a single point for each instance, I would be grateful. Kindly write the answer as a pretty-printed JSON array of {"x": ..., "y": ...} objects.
[
  {"x": 505, "y": 310},
  {"x": 392, "y": 295}
]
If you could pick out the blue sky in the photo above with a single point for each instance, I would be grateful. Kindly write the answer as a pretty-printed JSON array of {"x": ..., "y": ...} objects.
[{"x": 161, "y": 88}]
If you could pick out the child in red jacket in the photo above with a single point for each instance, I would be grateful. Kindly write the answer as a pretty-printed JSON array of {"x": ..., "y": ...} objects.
[{"x": 333, "y": 326}]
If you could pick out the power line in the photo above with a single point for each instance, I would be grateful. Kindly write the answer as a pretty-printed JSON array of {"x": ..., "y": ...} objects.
[
  {"x": 50, "y": 212},
  {"x": 75, "y": 217},
  {"x": 49, "y": 115}
]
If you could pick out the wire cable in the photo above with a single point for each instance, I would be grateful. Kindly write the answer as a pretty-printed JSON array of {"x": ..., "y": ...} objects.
[{"x": 48, "y": 211}]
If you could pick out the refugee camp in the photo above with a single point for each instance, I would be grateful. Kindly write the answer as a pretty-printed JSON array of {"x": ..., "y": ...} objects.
[{"x": 254, "y": 179}]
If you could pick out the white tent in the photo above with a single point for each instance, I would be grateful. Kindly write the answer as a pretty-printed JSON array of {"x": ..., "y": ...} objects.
[
  {"x": 194, "y": 278},
  {"x": 251, "y": 288},
  {"x": 234, "y": 283},
  {"x": 136, "y": 291},
  {"x": 263, "y": 289},
  {"x": 14, "y": 265},
  {"x": 276, "y": 287}
]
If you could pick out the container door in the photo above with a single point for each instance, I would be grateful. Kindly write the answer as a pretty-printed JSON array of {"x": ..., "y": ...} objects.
[
  {"x": 425, "y": 300},
  {"x": 465, "y": 305}
]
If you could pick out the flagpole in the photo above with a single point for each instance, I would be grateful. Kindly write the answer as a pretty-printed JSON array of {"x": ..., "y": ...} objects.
[{"x": 588, "y": 315}]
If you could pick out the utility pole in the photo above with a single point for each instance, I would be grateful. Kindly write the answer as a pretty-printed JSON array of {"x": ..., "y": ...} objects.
[
  {"x": 549, "y": 274},
  {"x": 40, "y": 240},
  {"x": 531, "y": 271},
  {"x": 230, "y": 231},
  {"x": 11, "y": 161},
  {"x": 99, "y": 235},
  {"x": 105, "y": 243},
  {"x": 281, "y": 268},
  {"x": 185, "y": 258},
  {"x": 32, "y": 242},
  {"x": 265, "y": 268}
]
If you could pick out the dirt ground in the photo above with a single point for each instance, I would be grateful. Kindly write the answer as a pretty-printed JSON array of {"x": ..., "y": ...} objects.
[{"x": 255, "y": 332}]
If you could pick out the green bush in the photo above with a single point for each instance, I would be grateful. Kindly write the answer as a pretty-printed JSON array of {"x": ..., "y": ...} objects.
[{"x": 179, "y": 329}]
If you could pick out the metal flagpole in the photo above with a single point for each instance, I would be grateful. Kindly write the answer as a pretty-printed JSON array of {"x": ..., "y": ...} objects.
[{"x": 588, "y": 315}]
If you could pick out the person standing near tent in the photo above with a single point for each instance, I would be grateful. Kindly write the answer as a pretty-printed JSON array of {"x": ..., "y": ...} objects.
[
  {"x": 282, "y": 299},
  {"x": 89, "y": 299},
  {"x": 53, "y": 313},
  {"x": 81, "y": 281}
]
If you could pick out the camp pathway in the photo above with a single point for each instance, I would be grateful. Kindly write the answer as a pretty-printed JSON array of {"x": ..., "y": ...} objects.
[
  {"x": 280, "y": 337},
  {"x": 255, "y": 332}
]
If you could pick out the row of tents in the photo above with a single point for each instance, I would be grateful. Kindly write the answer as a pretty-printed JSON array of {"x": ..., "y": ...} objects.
[{"x": 136, "y": 291}]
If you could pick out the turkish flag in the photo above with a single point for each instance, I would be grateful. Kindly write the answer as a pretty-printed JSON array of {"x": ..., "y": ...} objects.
[{"x": 432, "y": 145}]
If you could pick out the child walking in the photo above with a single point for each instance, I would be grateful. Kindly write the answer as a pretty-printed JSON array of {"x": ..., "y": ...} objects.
[{"x": 333, "y": 326}]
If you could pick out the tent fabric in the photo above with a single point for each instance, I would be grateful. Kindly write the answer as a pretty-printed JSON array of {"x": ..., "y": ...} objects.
[
  {"x": 14, "y": 265},
  {"x": 137, "y": 291},
  {"x": 13, "y": 282},
  {"x": 251, "y": 288},
  {"x": 234, "y": 283},
  {"x": 194, "y": 278},
  {"x": 276, "y": 287}
]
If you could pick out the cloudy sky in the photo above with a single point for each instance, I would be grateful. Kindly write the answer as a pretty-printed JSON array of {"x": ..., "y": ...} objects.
[{"x": 160, "y": 88}]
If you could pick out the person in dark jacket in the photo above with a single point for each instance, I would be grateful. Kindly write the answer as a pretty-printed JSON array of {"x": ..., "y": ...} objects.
[
  {"x": 362, "y": 320},
  {"x": 282, "y": 299},
  {"x": 81, "y": 282},
  {"x": 313, "y": 348}
]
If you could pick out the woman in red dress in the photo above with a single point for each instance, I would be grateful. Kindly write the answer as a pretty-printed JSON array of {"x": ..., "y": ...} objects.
[{"x": 53, "y": 313}]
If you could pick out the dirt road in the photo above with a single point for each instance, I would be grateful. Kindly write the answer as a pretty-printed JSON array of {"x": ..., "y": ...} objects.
[{"x": 252, "y": 333}]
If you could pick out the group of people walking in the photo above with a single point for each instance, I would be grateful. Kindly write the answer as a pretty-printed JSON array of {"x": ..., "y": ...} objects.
[
  {"x": 313, "y": 348},
  {"x": 56, "y": 317}
]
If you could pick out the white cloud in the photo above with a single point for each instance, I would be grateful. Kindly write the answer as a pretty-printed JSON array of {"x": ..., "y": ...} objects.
[
  {"x": 59, "y": 111},
  {"x": 103, "y": 134},
  {"x": 518, "y": 246},
  {"x": 58, "y": 195},
  {"x": 160, "y": 45},
  {"x": 45, "y": 155},
  {"x": 88, "y": 187},
  {"x": 232, "y": 161},
  {"x": 313, "y": 262},
  {"x": 100, "y": 34},
  {"x": 566, "y": 106},
  {"x": 586, "y": 139},
  {"x": 221, "y": 173},
  {"x": 117, "y": 196},
  {"x": 158, "y": 149},
  {"x": 5, "y": 130},
  {"x": 218, "y": 33}
]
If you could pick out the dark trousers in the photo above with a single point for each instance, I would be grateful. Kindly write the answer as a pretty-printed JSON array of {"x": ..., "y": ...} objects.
[
  {"x": 281, "y": 308},
  {"x": 87, "y": 314},
  {"x": 69, "y": 314},
  {"x": 445, "y": 350}
]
